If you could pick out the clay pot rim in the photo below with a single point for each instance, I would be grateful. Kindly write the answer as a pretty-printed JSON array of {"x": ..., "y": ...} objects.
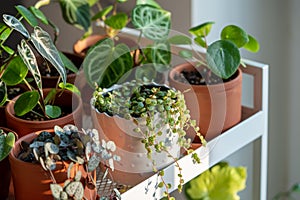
[
  {"x": 10, "y": 111},
  {"x": 187, "y": 65}
]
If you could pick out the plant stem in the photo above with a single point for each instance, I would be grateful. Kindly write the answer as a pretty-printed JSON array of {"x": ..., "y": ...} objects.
[{"x": 42, "y": 3}]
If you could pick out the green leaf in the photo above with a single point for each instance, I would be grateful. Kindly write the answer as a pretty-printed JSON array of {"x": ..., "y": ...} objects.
[
  {"x": 223, "y": 58},
  {"x": 26, "y": 102},
  {"x": 200, "y": 41},
  {"x": 5, "y": 32},
  {"x": 43, "y": 43},
  {"x": 29, "y": 59},
  {"x": 201, "y": 30},
  {"x": 68, "y": 63},
  {"x": 121, "y": 1},
  {"x": 50, "y": 96},
  {"x": 76, "y": 12},
  {"x": 70, "y": 87},
  {"x": 180, "y": 40},
  {"x": 28, "y": 16},
  {"x": 145, "y": 72},
  {"x": 218, "y": 183},
  {"x": 102, "y": 13},
  {"x": 6, "y": 144},
  {"x": 3, "y": 93},
  {"x": 235, "y": 34},
  {"x": 15, "y": 71},
  {"x": 117, "y": 21},
  {"x": 252, "y": 45},
  {"x": 161, "y": 56},
  {"x": 8, "y": 49},
  {"x": 52, "y": 111},
  {"x": 105, "y": 64},
  {"x": 148, "y": 2},
  {"x": 186, "y": 54},
  {"x": 153, "y": 22},
  {"x": 92, "y": 2},
  {"x": 14, "y": 23},
  {"x": 296, "y": 188},
  {"x": 39, "y": 14}
]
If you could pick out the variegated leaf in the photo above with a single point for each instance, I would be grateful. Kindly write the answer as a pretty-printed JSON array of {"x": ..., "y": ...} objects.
[
  {"x": 45, "y": 46},
  {"x": 29, "y": 59},
  {"x": 14, "y": 23},
  {"x": 56, "y": 189}
]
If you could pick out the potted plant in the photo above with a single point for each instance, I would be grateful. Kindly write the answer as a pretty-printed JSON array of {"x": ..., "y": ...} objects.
[
  {"x": 60, "y": 163},
  {"x": 147, "y": 121},
  {"x": 43, "y": 103},
  {"x": 214, "y": 80},
  {"x": 7, "y": 140},
  {"x": 222, "y": 181},
  {"x": 289, "y": 194}
]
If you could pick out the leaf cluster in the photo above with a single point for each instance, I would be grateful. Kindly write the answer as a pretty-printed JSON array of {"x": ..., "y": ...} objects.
[{"x": 18, "y": 63}]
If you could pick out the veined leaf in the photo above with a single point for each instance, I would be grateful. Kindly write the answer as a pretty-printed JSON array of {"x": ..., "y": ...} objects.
[
  {"x": 14, "y": 23},
  {"x": 76, "y": 12},
  {"x": 3, "y": 93},
  {"x": 161, "y": 56},
  {"x": 39, "y": 14},
  {"x": 117, "y": 21},
  {"x": 28, "y": 16},
  {"x": 103, "y": 13},
  {"x": 153, "y": 22},
  {"x": 52, "y": 111},
  {"x": 29, "y": 59},
  {"x": 26, "y": 102},
  {"x": 43, "y": 43},
  {"x": 15, "y": 71},
  {"x": 105, "y": 64}
]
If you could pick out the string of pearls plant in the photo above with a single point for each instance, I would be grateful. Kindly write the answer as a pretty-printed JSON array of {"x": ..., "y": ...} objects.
[{"x": 151, "y": 107}]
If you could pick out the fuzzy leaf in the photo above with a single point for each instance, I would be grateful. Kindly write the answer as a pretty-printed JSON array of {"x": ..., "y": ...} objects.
[
  {"x": 29, "y": 59},
  {"x": 3, "y": 93},
  {"x": 56, "y": 189},
  {"x": 26, "y": 102},
  {"x": 14, "y": 23},
  {"x": 220, "y": 182},
  {"x": 223, "y": 58},
  {"x": 76, "y": 12},
  {"x": 39, "y": 14},
  {"x": 28, "y": 16},
  {"x": 43, "y": 43},
  {"x": 6, "y": 144},
  {"x": 235, "y": 34},
  {"x": 153, "y": 22},
  {"x": 15, "y": 71},
  {"x": 105, "y": 64},
  {"x": 117, "y": 21}
]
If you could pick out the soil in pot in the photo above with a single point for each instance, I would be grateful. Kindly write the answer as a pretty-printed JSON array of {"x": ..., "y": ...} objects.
[
  {"x": 214, "y": 103},
  {"x": 68, "y": 100}
]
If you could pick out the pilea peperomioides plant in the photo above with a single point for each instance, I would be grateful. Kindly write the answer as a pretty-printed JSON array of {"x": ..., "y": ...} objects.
[
  {"x": 18, "y": 62},
  {"x": 70, "y": 145}
]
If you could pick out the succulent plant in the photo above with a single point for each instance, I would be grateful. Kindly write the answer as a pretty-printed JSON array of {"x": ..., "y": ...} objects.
[
  {"x": 7, "y": 141},
  {"x": 70, "y": 144}
]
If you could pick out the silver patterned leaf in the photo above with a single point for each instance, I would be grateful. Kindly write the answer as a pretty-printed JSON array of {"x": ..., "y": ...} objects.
[
  {"x": 75, "y": 189},
  {"x": 14, "y": 23},
  {"x": 93, "y": 163},
  {"x": 56, "y": 189}
]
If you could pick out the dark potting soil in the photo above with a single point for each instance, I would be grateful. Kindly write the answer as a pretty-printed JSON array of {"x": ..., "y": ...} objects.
[
  {"x": 201, "y": 76},
  {"x": 49, "y": 71}
]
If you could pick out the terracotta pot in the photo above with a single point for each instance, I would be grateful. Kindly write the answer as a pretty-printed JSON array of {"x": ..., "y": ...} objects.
[
  {"x": 2, "y": 116},
  {"x": 51, "y": 81},
  {"x": 5, "y": 171},
  {"x": 67, "y": 99},
  {"x": 216, "y": 108},
  {"x": 134, "y": 166},
  {"x": 31, "y": 181}
]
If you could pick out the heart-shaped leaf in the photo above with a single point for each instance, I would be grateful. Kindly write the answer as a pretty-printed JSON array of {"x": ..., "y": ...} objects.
[
  {"x": 43, "y": 43},
  {"x": 105, "y": 64},
  {"x": 117, "y": 21},
  {"x": 223, "y": 58},
  {"x": 26, "y": 102},
  {"x": 76, "y": 12},
  {"x": 56, "y": 189},
  {"x": 29, "y": 59},
  {"x": 52, "y": 111},
  {"x": 3, "y": 93},
  {"x": 235, "y": 34},
  {"x": 201, "y": 30},
  {"x": 15, "y": 71},
  {"x": 28, "y": 16},
  {"x": 153, "y": 22},
  {"x": 75, "y": 189},
  {"x": 6, "y": 144},
  {"x": 14, "y": 23}
]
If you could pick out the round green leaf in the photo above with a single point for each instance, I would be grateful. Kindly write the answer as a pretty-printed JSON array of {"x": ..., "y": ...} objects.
[
  {"x": 52, "y": 111},
  {"x": 223, "y": 58},
  {"x": 15, "y": 72},
  {"x": 39, "y": 14},
  {"x": 153, "y": 22},
  {"x": 3, "y": 93},
  {"x": 201, "y": 30},
  {"x": 117, "y": 21},
  {"x": 102, "y": 13},
  {"x": 26, "y": 102},
  {"x": 28, "y": 16},
  {"x": 235, "y": 34},
  {"x": 252, "y": 45},
  {"x": 186, "y": 54},
  {"x": 180, "y": 40}
]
